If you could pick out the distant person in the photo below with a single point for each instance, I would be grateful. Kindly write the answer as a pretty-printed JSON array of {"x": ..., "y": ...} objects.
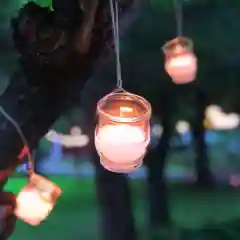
[{"x": 74, "y": 144}]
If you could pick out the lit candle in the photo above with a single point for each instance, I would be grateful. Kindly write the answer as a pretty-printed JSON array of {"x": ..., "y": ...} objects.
[
  {"x": 182, "y": 68},
  {"x": 36, "y": 200},
  {"x": 181, "y": 62},
  {"x": 31, "y": 207},
  {"x": 121, "y": 147}
]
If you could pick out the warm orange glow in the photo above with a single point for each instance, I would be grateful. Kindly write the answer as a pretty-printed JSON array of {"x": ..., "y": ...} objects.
[
  {"x": 31, "y": 207},
  {"x": 126, "y": 109},
  {"x": 207, "y": 123},
  {"x": 36, "y": 200},
  {"x": 182, "y": 68},
  {"x": 181, "y": 62},
  {"x": 122, "y": 137}
]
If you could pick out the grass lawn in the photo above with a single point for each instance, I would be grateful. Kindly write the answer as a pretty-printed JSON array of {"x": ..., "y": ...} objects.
[{"x": 212, "y": 215}]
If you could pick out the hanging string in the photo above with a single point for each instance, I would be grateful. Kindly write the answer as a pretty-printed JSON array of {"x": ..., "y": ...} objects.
[
  {"x": 179, "y": 17},
  {"x": 24, "y": 140},
  {"x": 116, "y": 37}
]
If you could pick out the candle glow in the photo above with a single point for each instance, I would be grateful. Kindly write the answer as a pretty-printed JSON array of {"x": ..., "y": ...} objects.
[
  {"x": 182, "y": 68},
  {"x": 32, "y": 208},
  {"x": 121, "y": 147},
  {"x": 123, "y": 131},
  {"x": 36, "y": 200},
  {"x": 181, "y": 62}
]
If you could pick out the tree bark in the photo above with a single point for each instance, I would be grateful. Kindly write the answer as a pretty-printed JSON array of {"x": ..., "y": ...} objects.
[{"x": 115, "y": 204}]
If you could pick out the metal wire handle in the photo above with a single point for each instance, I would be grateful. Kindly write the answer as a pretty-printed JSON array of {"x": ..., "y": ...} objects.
[
  {"x": 115, "y": 27},
  {"x": 23, "y": 138},
  {"x": 179, "y": 16}
]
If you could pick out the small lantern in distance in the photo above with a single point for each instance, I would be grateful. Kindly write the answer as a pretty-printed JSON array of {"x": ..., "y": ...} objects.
[
  {"x": 180, "y": 61},
  {"x": 36, "y": 200},
  {"x": 123, "y": 131}
]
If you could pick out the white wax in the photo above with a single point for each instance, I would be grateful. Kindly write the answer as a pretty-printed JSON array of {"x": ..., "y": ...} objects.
[
  {"x": 121, "y": 143},
  {"x": 31, "y": 208},
  {"x": 182, "y": 68},
  {"x": 182, "y": 61}
]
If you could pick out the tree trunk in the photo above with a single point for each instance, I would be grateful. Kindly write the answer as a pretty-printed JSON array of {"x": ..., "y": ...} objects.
[
  {"x": 156, "y": 162},
  {"x": 115, "y": 204},
  {"x": 204, "y": 176}
]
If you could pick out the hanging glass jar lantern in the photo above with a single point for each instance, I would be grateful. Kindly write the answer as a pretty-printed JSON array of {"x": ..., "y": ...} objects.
[
  {"x": 122, "y": 133},
  {"x": 180, "y": 61},
  {"x": 36, "y": 200}
]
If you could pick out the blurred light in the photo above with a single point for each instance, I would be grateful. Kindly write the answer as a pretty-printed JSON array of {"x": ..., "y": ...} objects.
[
  {"x": 182, "y": 127},
  {"x": 220, "y": 120},
  {"x": 36, "y": 200},
  {"x": 157, "y": 130},
  {"x": 180, "y": 61},
  {"x": 75, "y": 139},
  {"x": 234, "y": 180}
]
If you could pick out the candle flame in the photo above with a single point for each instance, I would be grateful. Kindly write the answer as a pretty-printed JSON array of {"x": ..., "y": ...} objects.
[
  {"x": 178, "y": 49},
  {"x": 125, "y": 110}
]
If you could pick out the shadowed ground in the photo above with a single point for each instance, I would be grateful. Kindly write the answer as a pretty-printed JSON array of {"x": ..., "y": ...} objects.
[{"x": 196, "y": 215}]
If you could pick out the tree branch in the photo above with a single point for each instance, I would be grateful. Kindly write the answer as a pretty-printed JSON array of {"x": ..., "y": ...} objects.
[
  {"x": 49, "y": 80},
  {"x": 83, "y": 38}
]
